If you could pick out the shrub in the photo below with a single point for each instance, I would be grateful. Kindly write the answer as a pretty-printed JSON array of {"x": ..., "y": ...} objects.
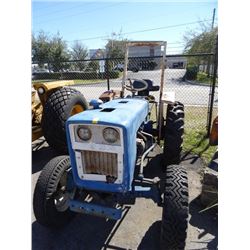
[
  {"x": 202, "y": 77},
  {"x": 75, "y": 75},
  {"x": 191, "y": 72}
]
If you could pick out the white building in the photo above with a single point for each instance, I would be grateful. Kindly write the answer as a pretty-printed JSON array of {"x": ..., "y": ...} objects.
[
  {"x": 143, "y": 51},
  {"x": 97, "y": 53},
  {"x": 176, "y": 62}
]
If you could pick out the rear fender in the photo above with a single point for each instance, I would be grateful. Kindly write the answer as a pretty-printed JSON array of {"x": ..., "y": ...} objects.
[{"x": 49, "y": 87}]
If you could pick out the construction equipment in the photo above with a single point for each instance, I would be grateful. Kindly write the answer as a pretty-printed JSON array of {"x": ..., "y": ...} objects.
[{"x": 52, "y": 104}]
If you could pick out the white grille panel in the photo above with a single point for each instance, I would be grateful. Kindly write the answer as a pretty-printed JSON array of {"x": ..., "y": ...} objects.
[{"x": 100, "y": 163}]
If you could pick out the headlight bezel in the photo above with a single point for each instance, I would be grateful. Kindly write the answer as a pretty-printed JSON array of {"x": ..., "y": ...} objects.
[
  {"x": 41, "y": 90},
  {"x": 116, "y": 133},
  {"x": 80, "y": 136}
]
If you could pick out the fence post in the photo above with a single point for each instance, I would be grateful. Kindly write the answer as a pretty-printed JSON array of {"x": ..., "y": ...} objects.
[{"x": 211, "y": 99}]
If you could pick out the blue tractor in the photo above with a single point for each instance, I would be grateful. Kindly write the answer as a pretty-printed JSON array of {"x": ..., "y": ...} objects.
[{"x": 104, "y": 170}]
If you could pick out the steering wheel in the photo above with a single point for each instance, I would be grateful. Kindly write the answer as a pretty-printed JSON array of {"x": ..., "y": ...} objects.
[{"x": 134, "y": 85}]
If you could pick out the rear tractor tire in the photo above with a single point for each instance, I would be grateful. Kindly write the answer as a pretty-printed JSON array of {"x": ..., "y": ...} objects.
[
  {"x": 60, "y": 105},
  {"x": 50, "y": 201},
  {"x": 175, "y": 209},
  {"x": 173, "y": 136}
]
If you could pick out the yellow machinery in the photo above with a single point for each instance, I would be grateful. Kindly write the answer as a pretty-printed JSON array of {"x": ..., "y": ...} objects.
[
  {"x": 213, "y": 138},
  {"x": 52, "y": 104}
]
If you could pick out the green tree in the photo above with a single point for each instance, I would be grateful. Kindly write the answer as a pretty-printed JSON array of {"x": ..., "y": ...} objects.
[
  {"x": 93, "y": 66},
  {"x": 50, "y": 49},
  {"x": 59, "y": 53},
  {"x": 200, "y": 41},
  {"x": 78, "y": 52},
  {"x": 115, "y": 46},
  {"x": 40, "y": 48}
]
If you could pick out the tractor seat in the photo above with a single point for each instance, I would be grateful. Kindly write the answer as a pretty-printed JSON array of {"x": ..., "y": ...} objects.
[{"x": 151, "y": 87}]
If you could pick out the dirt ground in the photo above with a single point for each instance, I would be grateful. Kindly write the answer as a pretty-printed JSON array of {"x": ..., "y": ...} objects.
[{"x": 139, "y": 227}]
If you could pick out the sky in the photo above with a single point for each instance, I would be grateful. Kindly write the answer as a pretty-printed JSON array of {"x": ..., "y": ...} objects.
[{"x": 93, "y": 23}]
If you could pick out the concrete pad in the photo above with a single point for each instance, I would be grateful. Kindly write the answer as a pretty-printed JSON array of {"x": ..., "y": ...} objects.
[{"x": 139, "y": 227}]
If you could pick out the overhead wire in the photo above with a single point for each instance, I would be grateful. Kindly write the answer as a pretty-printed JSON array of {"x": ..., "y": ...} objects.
[
  {"x": 141, "y": 31},
  {"x": 121, "y": 25},
  {"x": 61, "y": 10},
  {"x": 80, "y": 13}
]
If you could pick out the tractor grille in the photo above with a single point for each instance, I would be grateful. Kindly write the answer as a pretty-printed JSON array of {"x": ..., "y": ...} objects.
[{"x": 100, "y": 163}]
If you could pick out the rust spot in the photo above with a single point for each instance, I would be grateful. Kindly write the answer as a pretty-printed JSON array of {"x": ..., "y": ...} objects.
[
  {"x": 146, "y": 43},
  {"x": 101, "y": 163}
]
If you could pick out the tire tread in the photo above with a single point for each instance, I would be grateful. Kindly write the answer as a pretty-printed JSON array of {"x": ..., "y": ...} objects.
[
  {"x": 174, "y": 131},
  {"x": 175, "y": 210},
  {"x": 55, "y": 115},
  {"x": 44, "y": 190}
]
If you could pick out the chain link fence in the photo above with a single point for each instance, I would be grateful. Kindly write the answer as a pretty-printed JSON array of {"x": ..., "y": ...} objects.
[{"x": 189, "y": 76}]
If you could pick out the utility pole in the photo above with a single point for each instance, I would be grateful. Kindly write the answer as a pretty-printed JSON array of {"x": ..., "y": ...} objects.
[{"x": 213, "y": 19}]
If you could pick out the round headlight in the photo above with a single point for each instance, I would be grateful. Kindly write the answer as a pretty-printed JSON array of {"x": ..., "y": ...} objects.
[
  {"x": 41, "y": 90},
  {"x": 84, "y": 133},
  {"x": 110, "y": 135}
]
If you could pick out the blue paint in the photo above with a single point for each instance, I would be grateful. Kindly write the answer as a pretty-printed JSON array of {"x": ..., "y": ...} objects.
[
  {"x": 103, "y": 210},
  {"x": 142, "y": 189},
  {"x": 150, "y": 192},
  {"x": 95, "y": 103},
  {"x": 127, "y": 114},
  {"x": 94, "y": 209}
]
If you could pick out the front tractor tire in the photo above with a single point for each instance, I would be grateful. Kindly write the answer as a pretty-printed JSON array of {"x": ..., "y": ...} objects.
[
  {"x": 50, "y": 200},
  {"x": 60, "y": 105},
  {"x": 174, "y": 130},
  {"x": 175, "y": 209}
]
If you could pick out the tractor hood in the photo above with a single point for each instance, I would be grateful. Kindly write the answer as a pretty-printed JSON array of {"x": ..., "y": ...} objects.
[
  {"x": 128, "y": 115},
  {"x": 129, "y": 112}
]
